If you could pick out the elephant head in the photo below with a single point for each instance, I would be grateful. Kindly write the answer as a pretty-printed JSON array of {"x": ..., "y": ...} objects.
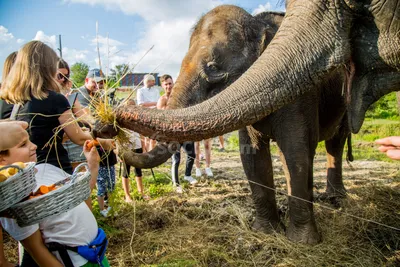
[
  {"x": 223, "y": 45},
  {"x": 316, "y": 37}
]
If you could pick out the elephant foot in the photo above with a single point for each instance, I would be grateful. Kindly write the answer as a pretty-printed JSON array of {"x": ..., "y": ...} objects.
[
  {"x": 268, "y": 227},
  {"x": 337, "y": 191},
  {"x": 306, "y": 234},
  {"x": 334, "y": 197}
]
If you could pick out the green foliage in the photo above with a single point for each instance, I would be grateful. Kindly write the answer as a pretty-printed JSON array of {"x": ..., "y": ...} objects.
[
  {"x": 384, "y": 108},
  {"x": 78, "y": 73},
  {"x": 363, "y": 143},
  {"x": 118, "y": 72},
  {"x": 234, "y": 145},
  {"x": 233, "y": 141},
  {"x": 121, "y": 70}
]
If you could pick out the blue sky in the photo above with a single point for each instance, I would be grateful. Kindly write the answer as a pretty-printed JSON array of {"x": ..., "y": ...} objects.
[{"x": 132, "y": 27}]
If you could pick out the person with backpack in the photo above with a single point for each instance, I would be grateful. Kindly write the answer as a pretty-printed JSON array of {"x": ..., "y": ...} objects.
[{"x": 73, "y": 237}]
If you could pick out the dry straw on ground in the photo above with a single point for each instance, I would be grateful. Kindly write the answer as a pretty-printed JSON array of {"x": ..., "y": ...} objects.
[{"x": 210, "y": 226}]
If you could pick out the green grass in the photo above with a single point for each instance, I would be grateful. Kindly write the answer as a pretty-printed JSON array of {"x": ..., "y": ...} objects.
[
  {"x": 362, "y": 143},
  {"x": 123, "y": 95}
]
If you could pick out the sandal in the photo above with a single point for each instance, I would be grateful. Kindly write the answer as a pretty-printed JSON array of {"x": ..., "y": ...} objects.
[
  {"x": 145, "y": 197},
  {"x": 130, "y": 200}
]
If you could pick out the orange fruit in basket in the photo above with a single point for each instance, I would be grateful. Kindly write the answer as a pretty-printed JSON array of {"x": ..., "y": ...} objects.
[
  {"x": 12, "y": 171},
  {"x": 43, "y": 189},
  {"x": 6, "y": 173},
  {"x": 20, "y": 164},
  {"x": 2, "y": 177}
]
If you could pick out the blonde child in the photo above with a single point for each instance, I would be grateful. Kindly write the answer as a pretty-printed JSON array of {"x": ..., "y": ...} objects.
[
  {"x": 76, "y": 227},
  {"x": 11, "y": 133}
]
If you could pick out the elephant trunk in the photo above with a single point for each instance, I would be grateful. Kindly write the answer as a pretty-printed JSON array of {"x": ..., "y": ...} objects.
[
  {"x": 309, "y": 43},
  {"x": 157, "y": 156}
]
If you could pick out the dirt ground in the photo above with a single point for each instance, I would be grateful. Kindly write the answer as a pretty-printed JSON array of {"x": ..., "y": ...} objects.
[{"x": 210, "y": 223}]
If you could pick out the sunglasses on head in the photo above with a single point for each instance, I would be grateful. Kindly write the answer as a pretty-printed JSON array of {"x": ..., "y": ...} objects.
[{"x": 61, "y": 76}]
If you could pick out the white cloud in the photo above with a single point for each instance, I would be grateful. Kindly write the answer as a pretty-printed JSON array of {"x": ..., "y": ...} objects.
[
  {"x": 151, "y": 10},
  {"x": 169, "y": 38},
  {"x": 262, "y": 8},
  {"x": 20, "y": 41},
  {"x": 71, "y": 56},
  {"x": 8, "y": 44},
  {"x": 5, "y": 36},
  {"x": 166, "y": 25},
  {"x": 106, "y": 41},
  {"x": 50, "y": 40}
]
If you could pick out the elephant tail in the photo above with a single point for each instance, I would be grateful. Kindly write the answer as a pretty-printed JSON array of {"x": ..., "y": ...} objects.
[{"x": 349, "y": 156}]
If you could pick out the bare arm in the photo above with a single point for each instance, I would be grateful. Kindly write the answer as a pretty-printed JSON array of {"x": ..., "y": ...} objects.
[
  {"x": 72, "y": 129},
  {"x": 162, "y": 102},
  {"x": 80, "y": 112},
  {"x": 93, "y": 159},
  {"x": 39, "y": 252}
]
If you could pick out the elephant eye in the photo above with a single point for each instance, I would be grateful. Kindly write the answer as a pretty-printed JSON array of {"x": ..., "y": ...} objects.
[{"x": 212, "y": 66}]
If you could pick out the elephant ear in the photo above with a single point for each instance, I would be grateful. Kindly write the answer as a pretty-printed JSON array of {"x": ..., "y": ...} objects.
[
  {"x": 272, "y": 21},
  {"x": 376, "y": 56}
]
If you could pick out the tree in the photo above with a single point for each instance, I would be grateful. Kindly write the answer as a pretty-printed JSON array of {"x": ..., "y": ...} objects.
[
  {"x": 121, "y": 70},
  {"x": 78, "y": 73}
]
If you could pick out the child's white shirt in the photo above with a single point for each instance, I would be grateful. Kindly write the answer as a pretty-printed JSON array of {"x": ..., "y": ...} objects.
[{"x": 75, "y": 227}]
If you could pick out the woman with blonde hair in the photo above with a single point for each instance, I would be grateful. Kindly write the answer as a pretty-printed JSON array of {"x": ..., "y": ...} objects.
[
  {"x": 32, "y": 84},
  {"x": 5, "y": 108}
]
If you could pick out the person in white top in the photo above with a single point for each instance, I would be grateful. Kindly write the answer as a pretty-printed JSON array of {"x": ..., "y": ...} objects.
[
  {"x": 11, "y": 134},
  {"x": 76, "y": 227},
  {"x": 147, "y": 96}
]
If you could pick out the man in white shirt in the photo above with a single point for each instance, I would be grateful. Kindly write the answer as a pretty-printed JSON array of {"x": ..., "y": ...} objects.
[{"x": 147, "y": 96}]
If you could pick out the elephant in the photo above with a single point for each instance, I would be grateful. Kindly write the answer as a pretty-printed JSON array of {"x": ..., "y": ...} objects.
[
  {"x": 317, "y": 40},
  {"x": 297, "y": 127}
]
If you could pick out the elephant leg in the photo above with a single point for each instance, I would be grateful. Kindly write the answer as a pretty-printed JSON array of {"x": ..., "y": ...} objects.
[
  {"x": 298, "y": 166},
  {"x": 334, "y": 149},
  {"x": 257, "y": 166}
]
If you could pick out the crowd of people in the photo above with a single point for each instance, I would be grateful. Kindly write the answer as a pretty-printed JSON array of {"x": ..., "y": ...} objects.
[
  {"x": 35, "y": 92},
  {"x": 45, "y": 120}
]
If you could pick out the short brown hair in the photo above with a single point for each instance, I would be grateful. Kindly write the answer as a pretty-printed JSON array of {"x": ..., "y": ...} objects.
[
  {"x": 33, "y": 74},
  {"x": 165, "y": 77}
]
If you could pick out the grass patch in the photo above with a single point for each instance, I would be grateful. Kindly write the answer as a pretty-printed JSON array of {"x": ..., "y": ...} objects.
[{"x": 210, "y": 224}]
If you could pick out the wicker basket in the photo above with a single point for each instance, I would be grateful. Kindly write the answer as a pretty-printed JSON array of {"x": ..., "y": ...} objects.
[
  {"x": 72, "y": 192},
  {"x": 18, "y": 186}
]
